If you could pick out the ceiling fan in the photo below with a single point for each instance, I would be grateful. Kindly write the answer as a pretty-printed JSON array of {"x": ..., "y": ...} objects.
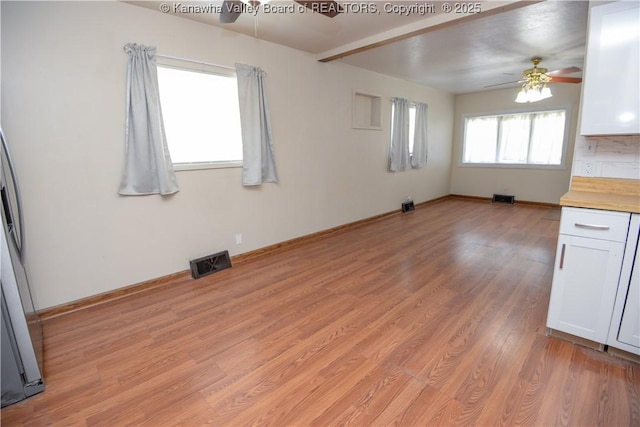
[
  {"x": 543, "y": 76},
  {"x": 232, "y": 9}
]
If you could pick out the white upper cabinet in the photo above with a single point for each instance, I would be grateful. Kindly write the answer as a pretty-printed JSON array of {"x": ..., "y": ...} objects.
[{"x": 610, "y": 98}]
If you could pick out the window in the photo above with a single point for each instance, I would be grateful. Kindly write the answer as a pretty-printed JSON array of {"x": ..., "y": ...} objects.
[
  {"x": 412, "y": 127},
  {"x": 408, "y": 142},
  {"x": 535, "y": 138},
  {"x": 201, "y": 118},
  {"x": 412, "y": 124}
]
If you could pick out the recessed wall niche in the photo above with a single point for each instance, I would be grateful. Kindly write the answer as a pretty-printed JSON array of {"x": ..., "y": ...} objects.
[{"x": 367, "y": 111}]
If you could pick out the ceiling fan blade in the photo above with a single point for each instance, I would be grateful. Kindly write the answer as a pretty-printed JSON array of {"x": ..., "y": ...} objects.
[
  {"x": 328, "y": 8},
  {"x": 503, "y": 84},
  {"x": 566, "y": 80},
  {"x": 231, "y": 10},
  {"x": 564, "y": 71}
]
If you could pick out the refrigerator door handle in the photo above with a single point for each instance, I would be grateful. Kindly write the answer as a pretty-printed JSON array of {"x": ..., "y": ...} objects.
[{"x": 7, "y": 208}]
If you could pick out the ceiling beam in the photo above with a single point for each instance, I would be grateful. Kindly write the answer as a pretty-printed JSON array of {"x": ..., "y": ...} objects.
[{"x": 433, "y": 23}]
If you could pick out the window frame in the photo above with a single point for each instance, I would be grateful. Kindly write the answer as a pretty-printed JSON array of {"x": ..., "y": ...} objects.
[
  {"x": 565, "y": 141},
  {"x": 205, "y": 68}
]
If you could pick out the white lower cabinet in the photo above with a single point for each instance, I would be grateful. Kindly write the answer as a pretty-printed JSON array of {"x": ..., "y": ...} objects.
[
  {"x": 587, "y": 270},
  {"x": 624, "y": 332},
  {"x": 629, "y": 332},
  {"x": 584, "y": 286}
]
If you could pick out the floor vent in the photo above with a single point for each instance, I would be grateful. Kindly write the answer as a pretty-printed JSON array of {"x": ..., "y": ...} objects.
[
  {"x": 502, "y": 198},
  {"x": 408, "y": 206},
  {"x": 209, "y": 264}
]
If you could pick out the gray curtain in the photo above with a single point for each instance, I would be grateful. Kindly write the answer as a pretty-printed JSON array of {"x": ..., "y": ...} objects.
[
  {"x": 399, "y": 152},
  {"x": 419, "y": 155},
  {"x": 257, "y": 151},
  {"x": 148, "y": 168}
]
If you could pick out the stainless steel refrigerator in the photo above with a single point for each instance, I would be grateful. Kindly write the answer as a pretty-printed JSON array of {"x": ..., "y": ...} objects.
[{"x": 21, "y": 330}]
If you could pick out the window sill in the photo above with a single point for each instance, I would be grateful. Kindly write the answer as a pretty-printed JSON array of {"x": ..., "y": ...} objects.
[
  {"x": 179, "y": 167},
  {"x": 511, "y": 166}
]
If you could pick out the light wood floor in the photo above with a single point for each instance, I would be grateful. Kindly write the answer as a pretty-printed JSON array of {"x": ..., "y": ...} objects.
[{"x": 435, "y": 317}]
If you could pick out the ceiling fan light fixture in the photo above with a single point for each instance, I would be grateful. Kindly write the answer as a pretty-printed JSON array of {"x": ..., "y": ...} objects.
[
  {"x": 534, "y": 87},
  {"x": 522, "y": 97},
  {"x": 255, "y": 3},
  {"x": 533, "y": 94}
]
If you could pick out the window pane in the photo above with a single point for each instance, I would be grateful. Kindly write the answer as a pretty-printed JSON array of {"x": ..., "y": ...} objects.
[
  {"x": 481, "y": 135},
  {"x": 547, "y": 138},
  {"x": 535, "y": 138},
  {"x": 201, "y": 116},
  {"x": 412, "y": 127},
  {"x": 514, "y": 139}
]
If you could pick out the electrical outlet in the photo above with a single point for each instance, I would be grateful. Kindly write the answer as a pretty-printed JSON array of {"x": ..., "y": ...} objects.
[
  {"x": 589, "y": 169},
  {"x": 238, "y": 238}
]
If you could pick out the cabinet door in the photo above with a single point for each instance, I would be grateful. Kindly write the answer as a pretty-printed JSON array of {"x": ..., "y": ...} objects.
[
  {"x": 630, "y": 324},
  {"x": 584, "y": 286},
  {"x": 610, "y": 100}
]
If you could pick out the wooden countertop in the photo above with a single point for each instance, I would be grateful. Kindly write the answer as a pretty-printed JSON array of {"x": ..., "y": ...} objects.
[
  {"x": 611, "y": 202},
  {"x": 603, "y": 193}
]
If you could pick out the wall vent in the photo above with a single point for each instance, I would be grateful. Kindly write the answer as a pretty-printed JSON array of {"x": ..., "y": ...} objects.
[
  {"x": 408, "y": 206},
  {"x": 502, "y": 198},
  {"x": 209, "y": 264}
]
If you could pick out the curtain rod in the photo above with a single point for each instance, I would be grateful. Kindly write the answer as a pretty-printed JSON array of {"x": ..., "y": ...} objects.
[{"x": 194, "y": 61}]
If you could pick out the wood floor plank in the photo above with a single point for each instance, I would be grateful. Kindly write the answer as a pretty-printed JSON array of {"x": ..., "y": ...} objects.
[
  {"x": 436, "y": 317},
  {"x": 332, "y": 412},
  {"x": 420, "y": 407},
  {"x": 379, "y": 397},
  {"x": 300, "y": 405}
]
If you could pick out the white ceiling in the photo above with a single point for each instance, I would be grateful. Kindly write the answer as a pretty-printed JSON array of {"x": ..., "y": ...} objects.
[{"x": 455, "y": 52}]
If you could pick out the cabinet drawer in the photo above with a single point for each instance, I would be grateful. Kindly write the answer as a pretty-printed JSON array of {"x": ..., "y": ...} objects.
[{"x": 595, "y": 224}]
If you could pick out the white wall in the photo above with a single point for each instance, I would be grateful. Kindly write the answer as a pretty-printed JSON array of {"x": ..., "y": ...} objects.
[
  {"x": 534, "y": 185},
  {"x": 63, "y": 86}
]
